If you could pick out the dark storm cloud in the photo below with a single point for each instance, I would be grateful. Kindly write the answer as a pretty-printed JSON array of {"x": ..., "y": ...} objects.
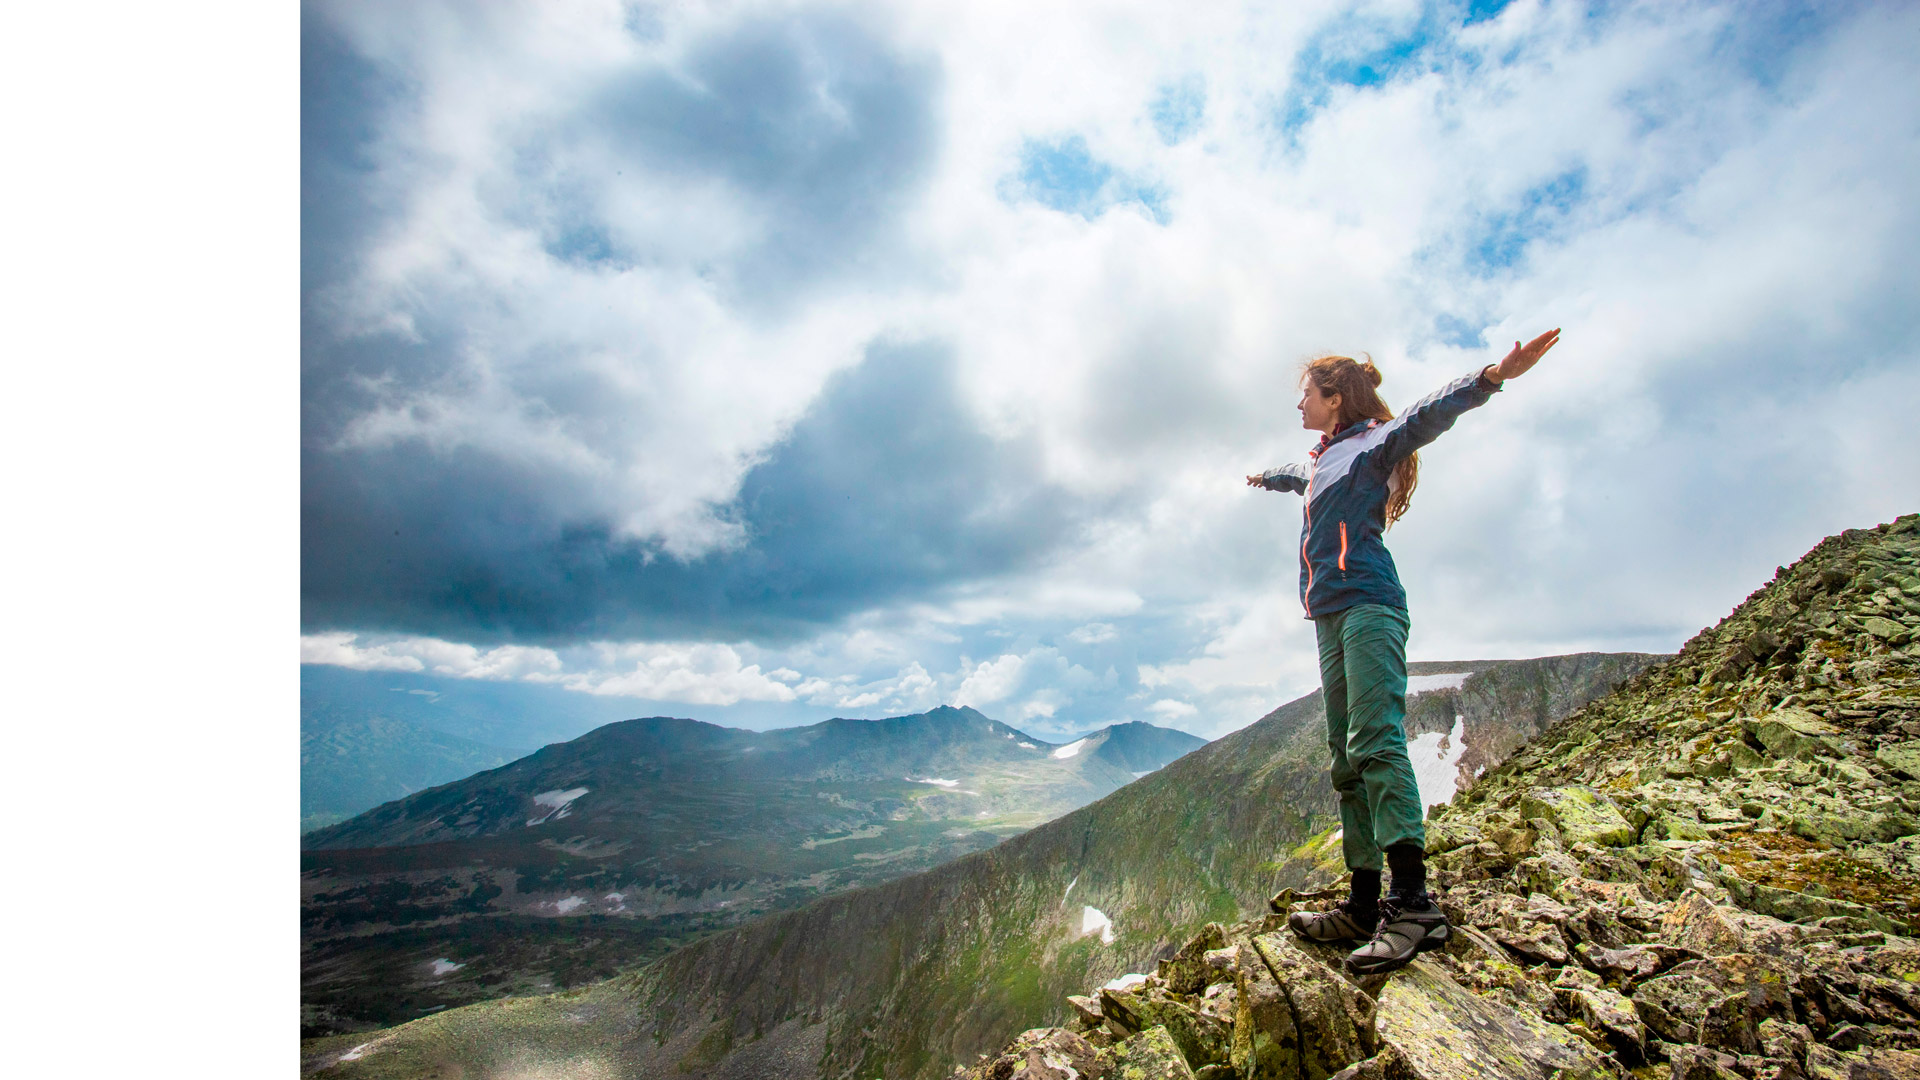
[
  {"x": 818, "y": 135},
  {"x": 885, "y": 491},
  {"x": 817, "y": 122}
]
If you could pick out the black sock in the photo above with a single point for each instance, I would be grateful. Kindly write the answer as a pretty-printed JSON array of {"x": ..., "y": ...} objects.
[
  {"x": 1409, "y": 865},
  {"x": 1366, "y": 890}
]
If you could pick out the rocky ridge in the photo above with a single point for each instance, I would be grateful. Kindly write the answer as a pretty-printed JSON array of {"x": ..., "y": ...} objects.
[{"x": 1713, "y": 872}]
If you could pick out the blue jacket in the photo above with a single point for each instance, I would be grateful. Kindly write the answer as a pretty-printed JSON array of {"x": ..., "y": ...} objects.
[{"x": 1343, "y": 561}]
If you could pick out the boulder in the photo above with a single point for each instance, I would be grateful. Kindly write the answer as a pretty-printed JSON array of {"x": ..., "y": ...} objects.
[
  {"x": 1581, "y": 816},
  {"x": 1609, "y": 1015},
  {"x": 1794, "y": 734},
  {"x": 1701, "y": 1063},
  {"x": 1150, "y": 1055},
  {"x": 1333, "y": 1016},
  {"x": 1695, "y": 922},
  {"x": 1798, "y": 907},
  {"x": 1432, "y": 1028},
  {"x": 1717, "y": 1002},
  {"x": 1046, "y": 1054},
  {"x": 1188, "y": 972},
  {"x": 1266, "y": 1043},
  {"x": 1902, "y": 756},
  {"x": 1203, "y": 1039},
  {"x": 1886, "y": 629},
  {"x": 1633, "y": 964}
]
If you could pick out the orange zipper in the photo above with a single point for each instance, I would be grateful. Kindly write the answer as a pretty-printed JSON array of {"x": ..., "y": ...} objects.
[
  {"x": 1307, "y": 600},
  {"x": 1343, "y": 547}
]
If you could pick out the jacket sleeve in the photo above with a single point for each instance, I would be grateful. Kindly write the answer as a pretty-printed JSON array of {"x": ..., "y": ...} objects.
[
  {"x": 1426, "y": 419},
  {"x": 1285, "y": 478}
]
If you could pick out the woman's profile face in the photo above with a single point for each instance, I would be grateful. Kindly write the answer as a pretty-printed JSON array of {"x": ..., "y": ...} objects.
[{"x": 1318, "y": 412}]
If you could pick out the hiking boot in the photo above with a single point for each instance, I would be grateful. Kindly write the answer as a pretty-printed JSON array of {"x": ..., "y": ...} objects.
[
  {"x": 1407, "y": 927},
  {"x": 1344, "y": 923}
]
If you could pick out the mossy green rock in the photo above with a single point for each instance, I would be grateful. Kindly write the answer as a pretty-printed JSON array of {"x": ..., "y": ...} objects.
[
  {"x": 1793, "y": 734},
  {"x": 1187, "y": 972},
  {"x": 1886, "y": 628},
  {"x": 1581, "y": 816},
  {"x": 1904, "y": 757},
  {"x": 1334, "y": 1017},
  {"x": 1151, "y": 1055},
  {"x": 1266, "y": 1042},
  {"x": 1442, "y": 1031}
]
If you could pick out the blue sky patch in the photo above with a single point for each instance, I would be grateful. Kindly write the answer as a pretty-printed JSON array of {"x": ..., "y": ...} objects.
[
  {"x": 1064, "y": 175},
  {"x": 1502, "y": 238},
  {"x": 1354, "y": 51}
]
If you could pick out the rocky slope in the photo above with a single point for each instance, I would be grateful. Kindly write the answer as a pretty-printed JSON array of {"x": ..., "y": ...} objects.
[
  {"x": 1710, "y": 874},
  {"x": 903, "y": 979},
  {"x": 598, "y": 853}
]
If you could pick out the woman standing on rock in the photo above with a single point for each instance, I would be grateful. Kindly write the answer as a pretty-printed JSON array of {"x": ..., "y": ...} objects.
[{"x": 1358, "y": 482}]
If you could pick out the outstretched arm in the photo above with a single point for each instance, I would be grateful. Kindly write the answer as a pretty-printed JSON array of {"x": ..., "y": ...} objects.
[
  {"x": 1285, "y": 478},
  {"x": 1428, "y": 418}
]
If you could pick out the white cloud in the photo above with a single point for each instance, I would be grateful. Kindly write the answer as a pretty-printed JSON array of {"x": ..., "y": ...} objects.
[
  {"x": 428, "y": 655},
  {"x": 340, "y": 650},
  {"x": 695, "y": 674},
  {"x": 1170, "y": 709},
  {"x": 991, "y": 681}
]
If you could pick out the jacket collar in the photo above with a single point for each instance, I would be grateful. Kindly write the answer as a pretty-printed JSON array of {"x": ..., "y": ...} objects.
[{"x": 1342, "y": 432}]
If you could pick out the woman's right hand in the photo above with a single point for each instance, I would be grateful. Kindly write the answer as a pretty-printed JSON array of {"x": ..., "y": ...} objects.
[
  {"x": 1523, "y": 357},
  {"x": 1255, "y": 481}
]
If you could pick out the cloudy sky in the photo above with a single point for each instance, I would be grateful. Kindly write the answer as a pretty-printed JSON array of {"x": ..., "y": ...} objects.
[{"x": 764, "y": 362}]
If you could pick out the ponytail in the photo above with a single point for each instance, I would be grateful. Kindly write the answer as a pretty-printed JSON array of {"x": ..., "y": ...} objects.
[{"x": 1356, "y": 382}]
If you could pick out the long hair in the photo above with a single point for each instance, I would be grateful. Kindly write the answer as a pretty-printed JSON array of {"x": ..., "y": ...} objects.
[{"x": 1355, "y": 382}]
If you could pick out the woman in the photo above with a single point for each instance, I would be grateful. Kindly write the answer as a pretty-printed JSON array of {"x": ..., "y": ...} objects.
[{"x": 1358, "y": 483}]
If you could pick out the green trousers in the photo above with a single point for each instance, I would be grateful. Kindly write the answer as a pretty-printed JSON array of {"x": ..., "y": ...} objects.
[{"x": 1363, "y": 677}]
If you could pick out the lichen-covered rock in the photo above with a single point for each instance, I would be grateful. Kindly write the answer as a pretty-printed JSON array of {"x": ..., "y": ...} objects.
[
  {"x": 1046, "y": 1054},
  {"x": 1717, "y": 1002},
  {"x": 1187, "y": 972},
  {"x": 1904, "y": 756},
  {"x": 1581, "y": 815},
  {"x": 1441, "y": 1031},
  {"x": 1697, "y": 923},
  {"x": 1203, "y": 1039},
  {"x": 1334, "y": 1016},
  {"x": 1609, "y": 1015},
  {"x": 1701, "y": 1063},
  {"x": 1266, "y": 1042},
  {"x": 1151, "y": 1055}
]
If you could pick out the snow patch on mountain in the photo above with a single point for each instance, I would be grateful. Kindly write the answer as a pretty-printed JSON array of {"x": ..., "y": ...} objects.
[
  {"x": 559, "y": 804},
  {"x": 949, "y": 784},
  {"x": 1420, "y": 684},
  {"x": 1070, "y": 749},
  {"x": 1093, "y": 920},
  {"x": 1436, "y": 762},
  {"x": 444, "y": 966}
]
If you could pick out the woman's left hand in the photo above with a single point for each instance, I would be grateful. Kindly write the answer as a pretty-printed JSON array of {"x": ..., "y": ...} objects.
[{"x": 1523, "y": 357}]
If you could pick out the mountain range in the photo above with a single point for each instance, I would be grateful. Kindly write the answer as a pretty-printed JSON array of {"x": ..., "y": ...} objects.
[
  {"x": 594, "y": 854},
  {"x": 906, "y": 977}
]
